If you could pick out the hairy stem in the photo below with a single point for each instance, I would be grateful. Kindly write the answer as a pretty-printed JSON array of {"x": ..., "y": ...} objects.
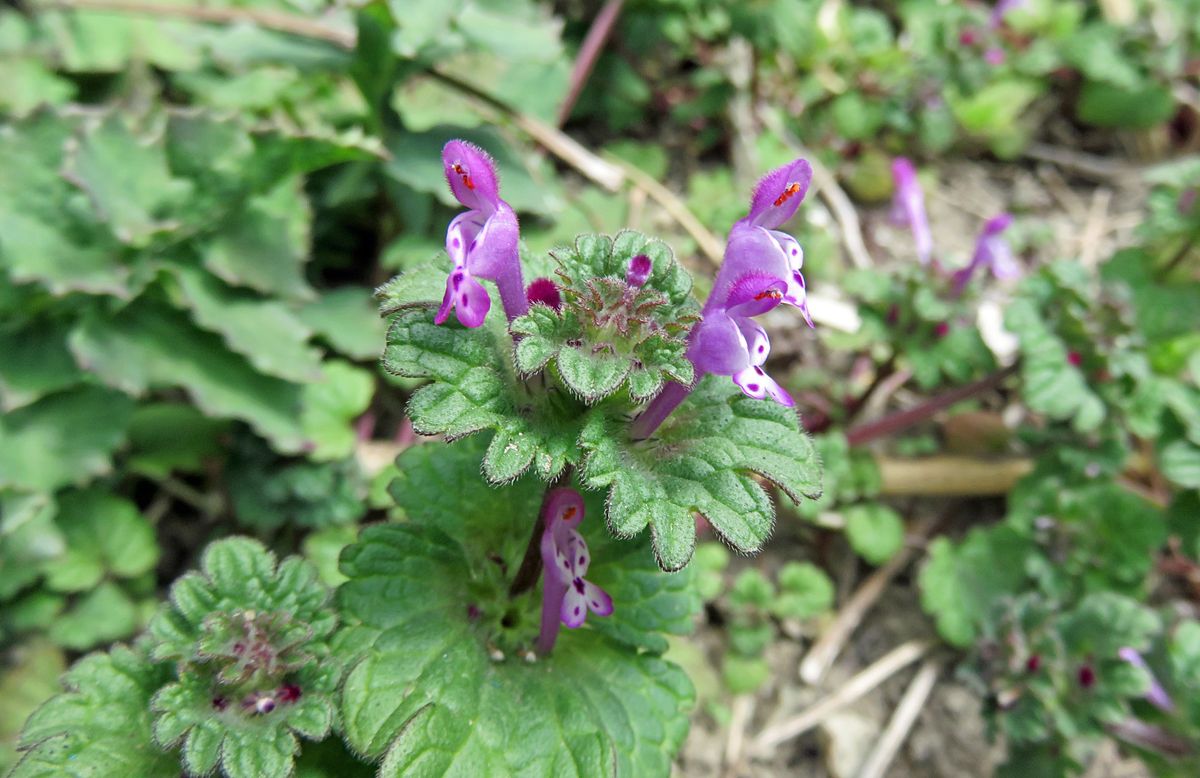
[
  {"x": 663, "y": 404},
  {"x": 902, "y": 420}
]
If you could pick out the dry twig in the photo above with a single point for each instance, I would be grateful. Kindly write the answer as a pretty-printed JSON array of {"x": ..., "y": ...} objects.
[
  {"x": 869, "y": 678},
  {"x": 902, "y": 721},
  {"x": 271, "y": 20}
]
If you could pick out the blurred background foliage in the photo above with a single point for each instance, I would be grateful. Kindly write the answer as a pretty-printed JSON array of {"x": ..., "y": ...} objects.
[{"x": 196, "y": 201}]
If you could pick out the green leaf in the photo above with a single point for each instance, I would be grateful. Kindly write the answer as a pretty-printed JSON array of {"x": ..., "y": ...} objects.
[
  {"x": 265, "y": 332},
  {"x": 960, "y": 584},
  {"x": 34, "y": 362},
  {"x": 264, "y": 245},
  {"x": 103, "y": 615},
  {"x": 330, "y": 407},
  {"x": 29, "y": 679},
  {"x": 474, "y": 388},
  {"x": 169, "y": 437},
  {"x": 875, "y": 532},
  {"x": 1105, "y": 622},
  {"x": 744, "y": 674},
  {"x": 1142, "y": 107},
  {"x": 149, "y": 346},
  {"x": 126, "y": 178},
  {"x": 46, "y": 235},
  {"x": 1180, "y": 462},
  {"x": 700, "y": 461},
  {"x": 28, "y": 537},
  {"x": 65, "y": 438},
  {"x": 804, "y": 591},
  {"x": 105, "y": 535},
  {"x": 1052, "y": 385},
  {"x": 101, "y": 724},
  {"x": 347, "y": 320},
  {"x": 429, "y": 699}
]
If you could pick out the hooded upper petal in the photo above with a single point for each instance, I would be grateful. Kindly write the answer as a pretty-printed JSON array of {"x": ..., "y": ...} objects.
[
  {"x": 717, "y": 346},
  {"x": 778, "y": 194},
  {"x": 493, "y": 250},
  {"x": 471, "y": 175}
]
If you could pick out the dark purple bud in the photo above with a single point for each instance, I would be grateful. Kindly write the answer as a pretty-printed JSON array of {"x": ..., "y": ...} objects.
[
  {"x": 1087, "y": 676},
  {"x": 288, "y": 693},
  {"x": 219, "y": 703},
  {"x": 968, "y": 37},
  {"x": 1074, "y": 358},
  {"x": 942, "y": 329},
  {"x": 473, "y": 612},
  {"x": 639, "y": 270},
  {"x": 544, "y": 291},
  {"x": 239, "y": 648},
  {"x": 1033, "y": 663}
]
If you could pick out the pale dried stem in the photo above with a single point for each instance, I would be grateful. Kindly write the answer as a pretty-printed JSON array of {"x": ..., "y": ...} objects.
[
  {"x": 1095, "y": 229},
  {"x": 858, "y": 686},
  {"x": 739, "y": 721},
  {"x": 946, "y": 476},
  {"x": 271, "y": 20},
  {"x": 821, "y": 656},
  {"x": 902, "y": 721},
  {"x": 1080, "y": 163}
]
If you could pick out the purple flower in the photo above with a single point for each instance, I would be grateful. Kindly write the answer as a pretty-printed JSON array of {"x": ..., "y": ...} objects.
[
  {"x": 482, "y": 241},
  {"x": 1156, "y": 695},
  {"x": 639, "y": 270},
  {"x": 1001, "y": 9},
  {"x": 991, "y": 251},
  {"x": 761, "y": 269},
  {"x": 908, "y": 207},
  {"x": 566, "y": 595},
  {"x": 994, "y": 56}
]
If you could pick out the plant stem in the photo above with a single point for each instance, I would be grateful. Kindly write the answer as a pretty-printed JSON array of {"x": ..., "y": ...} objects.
[
  {"x": 531, "y": 564},
  {"x": 658, "y": 410},
  {"x": 589, "y": 52},
  {"x": 902, "y": 420}
]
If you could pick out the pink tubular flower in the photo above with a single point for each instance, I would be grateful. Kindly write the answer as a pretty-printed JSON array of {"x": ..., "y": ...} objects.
[
  {"x": 992, "y": 251},
  {"x": 1156, "y": 695},
  {"x": 908, "y": 207},
  {"x": 482, "y": 241},
  {"x": 761, "y": 269},
  {"x": 566, "y": 595}
]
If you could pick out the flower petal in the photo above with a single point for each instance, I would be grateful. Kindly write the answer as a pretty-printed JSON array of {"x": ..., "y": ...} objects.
[
  {"x": 574, "y": 606},
  {"x": 778, "y": 194},
  {"x": 758, "y": 345},
  {"x": 598, "y": 601},
  {"x": 754, "y": 294},
  {"x": 471, "y": 175},
  {"x": 443, "y": 312},
  {"x": 909, "y": 200},
  {"x": 754, "y": 382},
  {"x": 461, "y": 234},
  {"x": 790, "y": 248},
  {"x": 717, "y": 346},
  {"x": 493, "y": 252},
  {"x": 750, "y": 251},
  {"x": 797, "y": 295},
  {"x": 471, "y": 301}
]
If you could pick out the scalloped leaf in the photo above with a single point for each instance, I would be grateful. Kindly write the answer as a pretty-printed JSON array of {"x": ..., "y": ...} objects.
[
  {"x": 428, "y": 698},
  {"x": 701, "y": 462},
  {"x": 101, "y": 724},
  {"x": 474, "y": 388}
]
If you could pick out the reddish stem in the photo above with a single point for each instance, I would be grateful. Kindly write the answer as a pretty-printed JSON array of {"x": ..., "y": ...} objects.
[
  {"x": 901, "y": 420},
  {"x": 589, "y": 52}
]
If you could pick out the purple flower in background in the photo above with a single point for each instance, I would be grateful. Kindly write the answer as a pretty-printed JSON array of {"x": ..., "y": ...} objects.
[
  {"x": 566, "y": 595},
  {"x": 1156, "y": 695},
  {"x": 1001, "y": 9},
  {"x": 761, "y": 269},
  {"x": 994, "y": 56},
  {"x": 908, "y": 207},
  {"x": 992, "y": 251},
  {"x": 482, "y": 241}
]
